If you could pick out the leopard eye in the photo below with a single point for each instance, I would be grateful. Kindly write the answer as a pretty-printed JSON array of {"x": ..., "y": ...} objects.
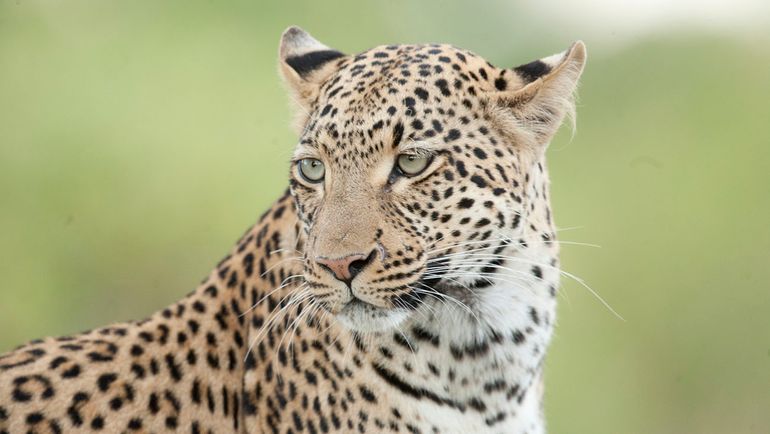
[
  {"x": 411, "y": 165},
  {"x": 311, "y": 169}
]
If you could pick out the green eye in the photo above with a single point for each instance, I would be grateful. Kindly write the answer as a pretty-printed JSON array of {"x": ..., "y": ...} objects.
[
  {"x": 411, "y": 165},
  {"x": 311, "y": 169}
]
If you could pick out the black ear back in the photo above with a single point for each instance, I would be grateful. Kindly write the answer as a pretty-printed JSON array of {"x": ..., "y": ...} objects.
[
  {"x": 543, "y": 96},
  {"x": 532, "y": 71},
  {"x": 309, "y": 62},
  {"x": 305, "y": 64}
]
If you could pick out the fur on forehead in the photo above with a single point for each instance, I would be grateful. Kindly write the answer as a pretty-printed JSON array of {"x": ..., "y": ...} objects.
[{"x": 527, "y": 103}]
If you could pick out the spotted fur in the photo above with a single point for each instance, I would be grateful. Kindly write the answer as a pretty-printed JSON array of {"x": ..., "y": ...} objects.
[{"x": 438, "y": 324}]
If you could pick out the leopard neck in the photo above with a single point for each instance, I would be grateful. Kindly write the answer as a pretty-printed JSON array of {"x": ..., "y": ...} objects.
[{"x": 485, "y": 361}]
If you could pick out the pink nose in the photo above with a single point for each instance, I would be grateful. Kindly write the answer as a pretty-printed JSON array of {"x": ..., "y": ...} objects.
[{"x": 346, "y": 268}]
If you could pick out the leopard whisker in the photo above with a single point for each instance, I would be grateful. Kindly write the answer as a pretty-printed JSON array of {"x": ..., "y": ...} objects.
[
  {"x": 272, "y": 321},
  {"x": 293, "y": 258},
  {"x": 408, "y": 343},
  {"x": 577, "y": 279},
  {"x": 464, "y": 306},
  {"x": 283, "y": 284},
  {"x": 311, "y": 309},
  {"x": 492, "y": 240}
]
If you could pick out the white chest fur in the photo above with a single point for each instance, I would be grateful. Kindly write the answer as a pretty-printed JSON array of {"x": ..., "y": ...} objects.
[{"x": 476, "y": 371}]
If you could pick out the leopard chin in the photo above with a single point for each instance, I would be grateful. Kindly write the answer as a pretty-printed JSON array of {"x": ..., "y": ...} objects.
[{"x": 360, "y": 316}]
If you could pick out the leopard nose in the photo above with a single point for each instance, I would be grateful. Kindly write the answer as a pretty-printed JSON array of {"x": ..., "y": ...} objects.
[{"x": 346, "y": 268}]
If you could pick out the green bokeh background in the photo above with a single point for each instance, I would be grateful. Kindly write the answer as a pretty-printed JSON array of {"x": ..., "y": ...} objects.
[{"x": 138, "y": 139}]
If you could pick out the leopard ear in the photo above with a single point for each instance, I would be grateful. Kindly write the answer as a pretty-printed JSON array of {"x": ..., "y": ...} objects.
[
  {"x": 305, "y": 64},
  {"x": 541, "y": 95}
]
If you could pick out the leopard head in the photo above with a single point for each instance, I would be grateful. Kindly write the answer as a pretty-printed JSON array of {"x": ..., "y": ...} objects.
[{"x": 419, "y": 173}]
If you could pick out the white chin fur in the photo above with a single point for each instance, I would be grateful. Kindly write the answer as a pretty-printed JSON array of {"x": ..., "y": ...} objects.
[{"x": 367, "y": 318}]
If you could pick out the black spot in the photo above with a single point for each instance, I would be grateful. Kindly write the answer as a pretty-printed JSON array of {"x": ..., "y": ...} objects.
[
  {"x": 211, "y": 291},
  {"x": 105, "y": 380},
  {"x": 99, "y": 357},
  {"x": 116, "y": 404},
  {"x": 55, "y": 427},
  {"x": 367, "y": 394},
  {"x": 398, "y": 134},
  {"x": 310, "y": 377},
  {"x": 478, "y": 152},
  {"x": 479, "y": 181},
  {"x": 171, "y": 422},
  {"x": 421, "y": 93},
  {"x": 452, "y": 135},
  {"x": 138, "y": 370},
  {"x": 135, "y": 424},
  {"x": 408, "y": 389},
  {"x": 424, "y": 335},
  {"x": 534, "y": 315},
  {"x": 401, "y": 340},
  {"x": 537, "y": 271},
  {"x": 518, "y": 337},
  {"x": 443, "y": 86},
  {"x": 72, "y": 372},
  {"x": 500, "y": 83},
  {"x": 461, "y": 169},
  {"x": 153, "y": 404},
  {"x": 58, "y": 361},
  {"x": 465, "y": 203},
  {"x": 173, "y": 368},
  {"x": 477, "y": 404},
  {"x": 34, "y": 418}
]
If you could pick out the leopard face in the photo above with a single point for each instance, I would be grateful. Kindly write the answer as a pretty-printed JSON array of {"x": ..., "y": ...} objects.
[{"x": 419, "y": 173}]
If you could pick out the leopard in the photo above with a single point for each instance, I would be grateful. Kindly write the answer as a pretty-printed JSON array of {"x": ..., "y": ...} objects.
[{"x": 406, "y": 280}]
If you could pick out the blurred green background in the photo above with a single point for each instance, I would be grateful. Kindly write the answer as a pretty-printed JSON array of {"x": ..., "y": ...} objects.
[{"x": 138, "y": 139}]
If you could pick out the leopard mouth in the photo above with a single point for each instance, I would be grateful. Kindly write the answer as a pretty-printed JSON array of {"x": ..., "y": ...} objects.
[
  {"x": 357, "y": 303},
  {"x": 363, "y": 316},
  {"x": 360, "y": 316},
  {"x": 447, "y": 286}
]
